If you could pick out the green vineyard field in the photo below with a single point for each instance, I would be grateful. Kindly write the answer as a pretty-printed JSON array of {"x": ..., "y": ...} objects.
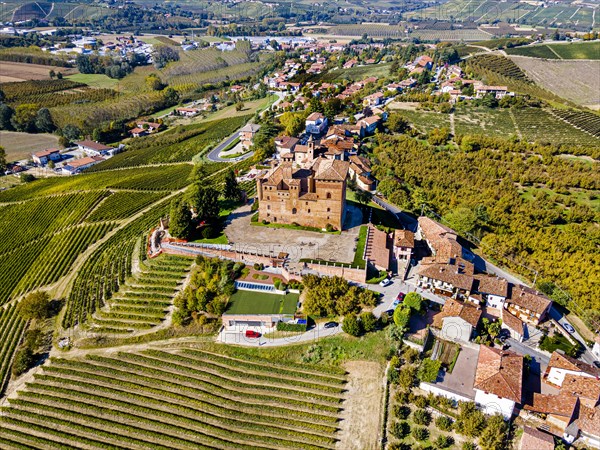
[{"x": 11, "y": 331}]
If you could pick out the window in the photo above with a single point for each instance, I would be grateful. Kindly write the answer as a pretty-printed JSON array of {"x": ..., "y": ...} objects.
[
  {"x": 328, "y": 195},
  {"x": 328, "y": 209},
  {"x": 309, "y": 211},
  {"x": 294, "y": 211},
  {"x": 268, "y": 197},
  {"x": 268, "y": 206},
  {"x": 274, "y": 219}
]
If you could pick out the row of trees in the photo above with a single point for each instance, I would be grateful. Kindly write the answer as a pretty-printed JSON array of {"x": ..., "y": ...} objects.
[{"x": 27, "y": 117}]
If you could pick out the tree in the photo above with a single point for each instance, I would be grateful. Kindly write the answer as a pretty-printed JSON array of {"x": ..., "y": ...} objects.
[
  {"x": 293, "y": 123},
  {"x": 205, "y": 202},
  {"x": 44, "y": 122},
  {"x": 429, "y": 369},
  {"x": 27, "y": 178},
  {"x": 401, "y": 316},
  {"x": 422, "y": 417},
  {"x": 171, "y": 96},
  {"x": 413, "y": 301},
  {"x": 2, "y": 160},
  {"x": 351, "y": 325},
  {"x": 400, "y": 429},
  {"x": 35, "y": 306},
  {"x": 363, "y": 197},
  {"x": 24, "y": 117},
  {"x": 462, "y": 219},
  {"x": 52, "y": 74},
  {"x": 59, "y": 76},
  {"x": 23, "y": 360},
  {"x": 180, "y": 220},
  {"x": 397, "y": 123},
  {"x": 6, "y": 114},
  {"x": 420, "y": 433},
  {"x": 470, "y": 421},
  {"x": 154, "y": 82},
  {"x": 162, "y": 55},
  {"x": 232, "y": 188},
  {"x": 239, "y": 106},
  {"x": 368, "y": 321},
  {"x": 438, "y": 136},
  {"x": 71, "y": 133},
  {"x": 443, "y": 441},
  {"x": 494, "y": 435}
]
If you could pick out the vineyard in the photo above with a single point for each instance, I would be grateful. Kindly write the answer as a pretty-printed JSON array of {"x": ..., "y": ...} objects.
[
  {"x": 108, "y": 267},
  {"x": 176, "y": 399},
  {"x": 121, "y": 205},
  {"x": 33, "y": 56},
  {"x": 15, "y": 91},
  {"x": 586, "y": 121},
  {"x": 11, "y": 330},
  {"x": 78, "y": 96},
  {"x": 498, "y": 64},
  {"x": 143, "y": 301},
  {"x": 176, "y": 145},
  {"x": 156, "y": 179}
]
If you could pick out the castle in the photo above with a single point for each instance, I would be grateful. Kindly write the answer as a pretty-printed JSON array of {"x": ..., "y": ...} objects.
[{"x": 311, "y": 196}]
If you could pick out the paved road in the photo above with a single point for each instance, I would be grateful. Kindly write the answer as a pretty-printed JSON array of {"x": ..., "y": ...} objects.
[
  {"x": 214, "y": 153},
  {"x": 238, "y": 337},
  {"x": 539, "y": 360}
]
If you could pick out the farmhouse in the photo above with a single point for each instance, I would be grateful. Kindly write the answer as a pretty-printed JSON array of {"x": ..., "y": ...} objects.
[
  {"x": 247, "y": 134},
  {"x": 457, "y": 320},
  {"x": 313, "y": 197},
  {"x": 44, "y": 156},
  {"x": 528, "y": 305},
  {"x": 561, "y": 365},
  {"x": 498, "y": 381},
  {"x": 78, "y": 165},
  {"x": 187, "y": 112},
  {"x": 316, "y": 123},
  {"x": 93, "y": 148},
  {"x": 404, "y": 244},
  {"x": 496, "y": 91}
]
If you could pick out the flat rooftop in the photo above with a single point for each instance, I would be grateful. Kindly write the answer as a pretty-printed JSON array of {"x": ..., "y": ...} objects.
[{"x": 251, "y": 302}]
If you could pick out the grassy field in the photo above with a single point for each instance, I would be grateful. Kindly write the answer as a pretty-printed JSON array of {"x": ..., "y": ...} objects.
[
  {"x": 95, "y": 80},
  {"x": 20, "y": 145},
  {"x": 251, "y": 302},
  {"x": 571, "y": 50},
  {"x": 356, "y": 73}
]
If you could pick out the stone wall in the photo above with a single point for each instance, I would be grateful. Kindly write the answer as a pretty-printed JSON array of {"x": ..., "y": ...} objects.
[{"x": 350, "y": 274}]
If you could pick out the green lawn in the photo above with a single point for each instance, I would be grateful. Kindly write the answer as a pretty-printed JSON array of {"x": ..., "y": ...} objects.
[
  {"x": 95, "y": 80},
  {"x": 360, "y": 247},
  {"x": 251, "y": 302}
]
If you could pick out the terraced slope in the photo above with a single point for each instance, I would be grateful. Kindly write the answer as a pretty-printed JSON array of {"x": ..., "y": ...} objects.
[
  {"x": 180, "y": 399},
  {"x": 11, "y": 331},
  {"x": 143, "y": 302}
]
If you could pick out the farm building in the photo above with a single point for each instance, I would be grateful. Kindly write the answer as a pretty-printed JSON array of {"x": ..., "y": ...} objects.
[
  {"x": 258, "y": 309},
  {"x": 92, "y": 148},
  {"x": 45, "y": 156},
  {"x": 79, "y": 165}
]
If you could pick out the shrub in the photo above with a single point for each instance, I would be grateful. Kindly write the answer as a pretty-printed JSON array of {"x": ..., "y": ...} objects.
[
  {"x": 401, "y": 412},
  {"x": 351, "y": 325},
  {"x": 420, "y": 433},
  {"x": 444, "y": 441},
  {"x": 429, "y": 369},
  {"x": 329, "y": 228},
  {"x": 402, "y": 397},
  {"x": 368, "y": 321},
  {"x": 421, "y": 417},
  {"x": 420, "y": 401},
  {"x": 400, "y": 429},
  {"x": 444, "y": 423},
  {"x": 207, "y": 232},
  {"x": 469, "y": 446},
  {"x": 258, "y": 266},
  {"x": 282, "y": 326}
]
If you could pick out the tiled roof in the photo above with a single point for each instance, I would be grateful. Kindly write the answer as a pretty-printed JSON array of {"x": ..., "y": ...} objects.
[
  {"x": 377, "y": 249},
  {"x": 48, "y": 152},
  {"x": 586, "y": 388},
  {"x": 454, "y": 308},
  {"x": 405, "y": 238},
  {"x": 560, "y": 405},
  {"x": 491, "y": 285},
  {"x": 93, "y": 145},
  {"x": 562, "y": 361},
  {"x": 333, "y": 170},
  {"x": 588, "y": 420},
  {"x": 534, "y": 439},
  {"x": 512, "y": 322},
  {"x": 449, "y": 274},
  {"x": 250, "y": 128},
  {"x": 500, "y": 373},
  {"x": 530, "y": 299},
  {"x": 314, "y": 117},
  {"x": 85, "y": 161}
]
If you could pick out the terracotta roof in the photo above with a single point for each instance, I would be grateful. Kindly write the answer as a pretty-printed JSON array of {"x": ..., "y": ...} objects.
[
  {"x": 287, "y": 142},
  {"x": 85, "y": 161},
  {"x": 454, "y": 308},
  {"x": 370, "y": 120},
  {"x": 530, "y": 299},
  {"x": 586, "y": 388},
  {"x": 333, "y": 170},
  {"x": 534, "y": 439},
  {"x": 48, "y": 152},
  {"x": 500, "y": 373},
  {"x": 512, "y": 322},
  {"x": 588, "y": 420},
  {"x": 314, "y": 117},
  {"x": 250, "y": 128},
  {"x": 562, "y": 361},
  {"x": 404, "y": 238},
  {"x": 559, "y": 405},
  {"x": 491, "y": 285},
  {"x": 441, "y": 238},
  {"x": 449, "y": 274},
  {"x": 377, "y": 249}
]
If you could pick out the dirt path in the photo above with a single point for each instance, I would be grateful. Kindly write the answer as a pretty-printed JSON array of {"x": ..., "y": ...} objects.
[{"x": 360, "y": 428}]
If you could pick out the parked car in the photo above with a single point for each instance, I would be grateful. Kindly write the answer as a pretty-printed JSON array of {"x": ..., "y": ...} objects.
[
  {"x": 597, "y": 364},
  {"x": 385, "y": 282},
  {"x": 390, "y": 312},
  {"x": 569, "y": 328},
  {"x": 252, "y": 334},
  {"x": 330, "y": 325}
]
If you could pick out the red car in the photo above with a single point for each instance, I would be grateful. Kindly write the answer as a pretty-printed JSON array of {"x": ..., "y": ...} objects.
[
  {"x": 400, "y": 296},
  {"x": 252, "y": 334}
]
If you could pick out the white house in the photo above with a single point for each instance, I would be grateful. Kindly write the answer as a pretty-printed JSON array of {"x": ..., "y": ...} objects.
[
  {"x": 596, "y": 347},
  {"x": 498, "y": 381},
  {"x": 44, "y": 156},
  {"x": 92, "y": 148},
  {"x": 561, "y": 365},
  {"x": 457, "y": 320},
  {"x": 493, "y": 290},
  {"x": 81, "y": 164},
  {"x": 316, "y": 123}
]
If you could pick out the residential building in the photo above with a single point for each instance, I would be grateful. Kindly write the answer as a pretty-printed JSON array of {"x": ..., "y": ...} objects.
[
  {"x": 534, "y": 439},
  {"x": 528, "y": 305},
  {"x": 45, "y": 156},
  {"x": 360, "y": 172},
  {"x": 493, "y": 290},
  {"x": 316, "y": 123},
  {"x": 561, "y": 365},
  {"x": 424, "y": 61},
  {"x": 285, "y": 144},
  {"x": 457, "y": 320},
  {"x": 373, "y": 99},
  {"x": 247, "y": 134},
  {"x": 496, "y": 91},
  {"x": 188, "y": 112},
  {"x": 92, "y": 148},
  {"x": 313, "y": 196},
  {"x": 368, "y": 125},
  {"x": 404, "y": 245},
  {"x": 447, "y": 280},
  {"x": 515, "y": 326},
  {"x": 498, "y": 381},
  {"x": 378, "y": 248},
  {"x": 79, "y": 165}
]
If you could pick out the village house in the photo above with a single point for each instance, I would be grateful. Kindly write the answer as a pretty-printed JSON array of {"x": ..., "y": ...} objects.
[
  {"x": 498, "y": 381},
  {"x": 312, "y": 197},
  {"x": 247, "y": 134},
  {"x": 424, "y": 61},
  {"x": 285, "y": 144},
  {"x": 515, "y": 326},
  {"x": 45, "y": 156},
  {"x": 360, "y": 172},
  {"x": 373, "y": 100},
  {"x": 79, "y": 165},
  {"x": 404, "y": 245},
  {"x": 561, "y": 365},
  {"x": 447, "y": 280},
  {"x": 316, "y": 123},
  {"x": 497, "y": 91},
  {"x": 493, "y": 290},
  {"x": 378, "y": 248},
  {"x": 533, "y": 439},
  {"x": 457, "y": 320},
  {"x": 528, "y": 304},
  {"x": 92, "y": 148},
  {"x": 368, "y": 125},
  {"x": 188, "y": 112}
]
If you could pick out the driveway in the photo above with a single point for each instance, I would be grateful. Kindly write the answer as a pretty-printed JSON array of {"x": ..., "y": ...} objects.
[
  {"x": 214, "y": 153},
  {"x": 238, "y": 337}
]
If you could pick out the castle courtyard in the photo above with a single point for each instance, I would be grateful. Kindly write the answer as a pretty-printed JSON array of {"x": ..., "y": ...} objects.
[{"x": 297, "y": 243}]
